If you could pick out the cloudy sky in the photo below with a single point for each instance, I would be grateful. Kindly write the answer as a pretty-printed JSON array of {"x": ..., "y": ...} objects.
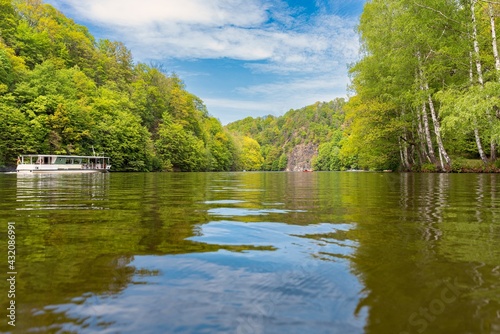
[{"x": 241, "y": 57}]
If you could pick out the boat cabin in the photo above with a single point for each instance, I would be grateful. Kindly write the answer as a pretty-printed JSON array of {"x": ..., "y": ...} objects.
[{"x": 50, "y": 163}]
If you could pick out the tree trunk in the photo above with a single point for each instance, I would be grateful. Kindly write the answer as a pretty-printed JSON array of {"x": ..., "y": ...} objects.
[
  {"x": 437, "y": 132},
  {"x": 427, "y": 134},
  {"x": 479, "y": 145},
  {"x": 421, "y": 136},
  {"x": 476, "y": 44},
  {"x": 480, "y": 79},
  {"x": 425, "y": 118},
  {"x": 404, "y": 155},
  {"x": 491, "y": 13}
]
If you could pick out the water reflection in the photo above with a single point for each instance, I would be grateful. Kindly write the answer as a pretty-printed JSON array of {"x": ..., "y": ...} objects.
[
  {"x": 445, "y": 230},
  {"x": 59, "y": 191},
  {"x": 256, "y": 252}
]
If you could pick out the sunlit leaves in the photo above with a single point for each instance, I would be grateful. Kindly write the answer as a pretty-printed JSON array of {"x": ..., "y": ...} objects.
[
  {"x": 277, "y": 136},
  {"x": 180, "y": 148},
  {"x": 65, "y": 93}
]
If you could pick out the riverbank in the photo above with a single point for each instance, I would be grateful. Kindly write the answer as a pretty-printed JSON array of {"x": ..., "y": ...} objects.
[{"x": 460, "y": 165}]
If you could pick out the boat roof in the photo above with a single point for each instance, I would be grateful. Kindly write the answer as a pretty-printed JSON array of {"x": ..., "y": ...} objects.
[{"x": 63, "y": 156}]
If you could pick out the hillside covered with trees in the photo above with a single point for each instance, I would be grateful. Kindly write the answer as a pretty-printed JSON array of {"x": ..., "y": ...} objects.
[
  {"x": 303, "y": 131},
  {"x": 426, "y": 95},
  {"x": 63, "y": 92}
]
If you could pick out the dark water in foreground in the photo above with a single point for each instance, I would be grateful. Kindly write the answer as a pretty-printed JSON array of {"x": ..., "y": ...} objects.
[{"x": 253, "y": 253}]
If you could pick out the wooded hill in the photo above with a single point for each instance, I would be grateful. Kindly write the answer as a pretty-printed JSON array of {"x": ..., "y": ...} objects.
[
  {"x": 291, "y": 142},
  {"x": 426, "y": 94},
  {"x": 426, "y": 97},
  {"x": 63, "y": 92}
]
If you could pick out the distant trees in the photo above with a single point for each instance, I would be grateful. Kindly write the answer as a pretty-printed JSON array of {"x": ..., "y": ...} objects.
[
  {"x": 316, "y": 124},
  {"x": 249, "y": 154}
]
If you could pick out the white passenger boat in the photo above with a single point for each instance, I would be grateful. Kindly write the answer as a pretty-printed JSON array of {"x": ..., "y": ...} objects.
[{"x": 49, "y": 163}]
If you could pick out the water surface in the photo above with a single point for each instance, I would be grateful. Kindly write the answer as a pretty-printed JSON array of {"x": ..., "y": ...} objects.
[{"x": 254, "y": 252}]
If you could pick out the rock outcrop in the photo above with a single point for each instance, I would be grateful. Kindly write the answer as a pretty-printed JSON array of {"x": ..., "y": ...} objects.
[{"x": 300, "y": 159}]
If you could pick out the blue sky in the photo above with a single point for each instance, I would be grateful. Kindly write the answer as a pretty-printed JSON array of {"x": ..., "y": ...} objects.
[{"x": 241, "y": 57}]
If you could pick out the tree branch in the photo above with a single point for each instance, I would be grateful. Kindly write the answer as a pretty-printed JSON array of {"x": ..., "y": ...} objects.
[
  {"x": 436, "y": 11},
  {"x": 409, "y": 142}
]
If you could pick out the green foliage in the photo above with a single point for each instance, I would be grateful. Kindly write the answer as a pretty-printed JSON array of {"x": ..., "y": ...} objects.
[
  {"x": 16, "y": 132},
  {"x": 180, "y": 148},
  {"x": 277, "y": 136},
  {"x": 328, "y": 158},
  {"x": 250, "y": 158},
  {"x": 61, "y": 92},
  {"x": 220, "y": 147},
  {"x": 428, "y": 168},
  {"x": 8, "y": 22},
  {"x": 419, "y": 54}
]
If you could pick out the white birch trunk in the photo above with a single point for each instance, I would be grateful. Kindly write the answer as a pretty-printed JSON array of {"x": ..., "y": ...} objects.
[
  {"x": 437, "y": 131},
  {"x": 421, "y": 136},
  {"x": 404, "y": 155},
  {"x": 476, "y": 44},
  {"x": 491, "y": 13},
  {"x": 427, "y": 134},
  {"x": 480, "y": 146},
  {"x": 480, "y": 79},
  {"x": 425, "y": 118}
]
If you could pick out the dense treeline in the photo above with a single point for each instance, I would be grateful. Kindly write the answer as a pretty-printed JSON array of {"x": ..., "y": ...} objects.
[
  {"x": 63, "y": 92},
  {"x": 427, "y": 87},
  {"x": 427, "y": 94},
  {"x": 274, "y": 138},
  {"x": 426, "y": 97}
]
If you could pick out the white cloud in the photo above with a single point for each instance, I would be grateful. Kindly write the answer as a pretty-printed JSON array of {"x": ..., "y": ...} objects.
[
  {"x": 238, "y": 104},
  {"x": 277, "y": 98},
  {"x": 238, "y": 29},
  {"x": 131, "y": 13},
  {"x": 325, "y": 85}
]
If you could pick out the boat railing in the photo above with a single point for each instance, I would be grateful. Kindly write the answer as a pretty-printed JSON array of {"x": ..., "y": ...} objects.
[{"x": 84, "y": 162}]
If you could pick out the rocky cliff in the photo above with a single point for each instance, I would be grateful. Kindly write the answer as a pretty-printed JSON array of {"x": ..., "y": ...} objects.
[{"x": 300, "y": 158}]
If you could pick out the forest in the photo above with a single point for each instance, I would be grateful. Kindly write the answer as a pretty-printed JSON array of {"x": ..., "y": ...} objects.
[
  {"x": 63, "y": 92},
  {"x": 424, "y": 96},
  {"x": 318, "y": 126},
  {"x": 426, "y": 90}
]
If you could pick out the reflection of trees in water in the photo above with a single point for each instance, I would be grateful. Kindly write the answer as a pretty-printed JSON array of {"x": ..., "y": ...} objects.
[
  {"x": 442, "y": 228},
  {"x": 404, "y": 234},
  {"x": 71, "y": 255}
]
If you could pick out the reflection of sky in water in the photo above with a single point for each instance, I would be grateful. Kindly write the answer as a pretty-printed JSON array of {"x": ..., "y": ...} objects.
[
  {"x": 302, "y": 284},
  {"x": 224, "y": 293},
  {"x": 287, "y": 290},
  {"x": 226, "y": 201},
  {"x": 231, "y": 212}
]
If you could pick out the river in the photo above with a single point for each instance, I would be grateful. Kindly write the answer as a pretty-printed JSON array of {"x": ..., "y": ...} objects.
[{"x": 335, "y": 252}]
